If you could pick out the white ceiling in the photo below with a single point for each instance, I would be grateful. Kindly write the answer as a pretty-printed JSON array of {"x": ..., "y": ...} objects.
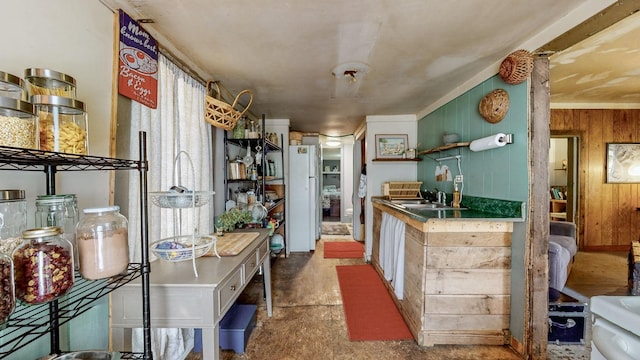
[
  {"x": 602, "y": 71},
  {"x": 420, "y": 53}
]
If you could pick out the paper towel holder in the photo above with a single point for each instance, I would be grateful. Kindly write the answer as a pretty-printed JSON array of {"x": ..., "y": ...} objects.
[{"x": 507, "y": 138}]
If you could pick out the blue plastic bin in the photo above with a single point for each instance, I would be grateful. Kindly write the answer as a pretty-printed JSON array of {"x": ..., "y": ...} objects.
[{"x": 236, "y": 327}]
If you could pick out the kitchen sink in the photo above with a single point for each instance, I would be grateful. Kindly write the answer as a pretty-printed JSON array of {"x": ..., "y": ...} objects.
[{"x": 421, "y": 204}]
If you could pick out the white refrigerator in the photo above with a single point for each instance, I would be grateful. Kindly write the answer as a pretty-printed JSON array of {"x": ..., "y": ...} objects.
[{"x": 303, "y": 213}]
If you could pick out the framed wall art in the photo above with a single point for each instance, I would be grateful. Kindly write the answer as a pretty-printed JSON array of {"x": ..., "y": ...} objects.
[
  {"x": 623, "y": 162},
  {"x": 390, "y": 146}
]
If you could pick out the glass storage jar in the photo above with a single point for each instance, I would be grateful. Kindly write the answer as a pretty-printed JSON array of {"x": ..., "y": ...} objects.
[
  {"x": 62, "y": 124},
  {"x": 59, "y": 210},
  {"x": 49, "y": 82},
  {"x": 238, "y": 130},
  {"x": 7, "y": 289},
  {"x": 103, "y": 245},
  {"x": 11, "y": 86},
  {"x": 17, "y": 124},
  {"x": 13, "y": 219},
  {"x": 43, "y": 265}
]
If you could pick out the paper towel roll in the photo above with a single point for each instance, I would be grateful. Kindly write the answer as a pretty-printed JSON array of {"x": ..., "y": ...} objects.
[{"x": 489, "y": 142}]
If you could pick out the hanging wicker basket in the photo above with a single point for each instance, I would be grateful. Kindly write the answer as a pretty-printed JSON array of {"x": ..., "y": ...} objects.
[
  {"x": 494, "y": 106},
  {"x": 220, "y": 114},
  {"x": 516, "y": 67}
]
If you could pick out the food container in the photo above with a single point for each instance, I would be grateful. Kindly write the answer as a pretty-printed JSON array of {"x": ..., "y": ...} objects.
[
  {"x": 11, "y": 86},
  {"x": 43, "y": 266},
  {"x": 17, "y": 124},
  {"x": 59, "y": 210},
  {"x": 102, "y": 243},
  {"x": 7, "y": 289},
  {"x": 13, "y": 219},
  {"x": 49, "y": 82},
  {"x": 62, "y": 124}
]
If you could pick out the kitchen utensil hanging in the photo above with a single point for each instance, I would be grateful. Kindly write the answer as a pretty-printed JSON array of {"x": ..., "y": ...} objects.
[
  {"x": 248, "y": 159},
  {"x": 183, "y": 247}
]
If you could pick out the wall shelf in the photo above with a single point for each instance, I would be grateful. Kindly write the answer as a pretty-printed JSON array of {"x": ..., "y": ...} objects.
[
  {"x": 444, "y": 147},
  {"x": 398, "y": 160}
]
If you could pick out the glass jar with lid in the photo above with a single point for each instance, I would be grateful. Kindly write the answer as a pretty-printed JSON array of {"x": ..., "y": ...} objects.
[
  {"x": 13, "y": 219},
  {"x": 49, "y": 82},
  {"x": 62, "y": 124},
  {"x": 239, "y": 129},
  {"x": 11, "y": 86},
  {"x": 59, "y": 210},
  {"x": 17, "y": 124},
  {"x": 43, "y": 265},
  {"x": 102, "y": 236},
  {"x": 7, "y": 289}
]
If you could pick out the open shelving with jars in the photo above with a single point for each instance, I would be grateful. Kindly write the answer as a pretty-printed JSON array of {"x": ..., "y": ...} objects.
[
  {"x": 254, "y": 173},
  {"x": 30, "y": 322}
]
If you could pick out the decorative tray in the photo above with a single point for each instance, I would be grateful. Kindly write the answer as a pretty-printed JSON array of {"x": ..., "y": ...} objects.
[{"x": 179, "y": 248}]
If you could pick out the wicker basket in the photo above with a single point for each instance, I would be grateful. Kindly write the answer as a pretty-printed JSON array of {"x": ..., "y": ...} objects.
[
  {"x": 516, "y": 67},
  {"x": 494, "y": 106},
  {"x": 220, "y": 114}
]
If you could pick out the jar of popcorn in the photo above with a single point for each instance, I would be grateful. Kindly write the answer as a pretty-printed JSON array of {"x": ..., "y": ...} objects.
[
  {"x": 17, "y": 124},
  {"x": 43, "y": 266},
  {"x": 62, "y": 124},
  {"x": 13, "y": 219},
  {"x": 11, "y": 86}
]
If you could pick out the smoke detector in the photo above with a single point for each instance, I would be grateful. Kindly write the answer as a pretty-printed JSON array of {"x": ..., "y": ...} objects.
[{"x": 350, "y": 71}]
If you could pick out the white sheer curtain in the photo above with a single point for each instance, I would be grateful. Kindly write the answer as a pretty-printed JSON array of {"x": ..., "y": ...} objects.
[{"x": 176, "y": 127}]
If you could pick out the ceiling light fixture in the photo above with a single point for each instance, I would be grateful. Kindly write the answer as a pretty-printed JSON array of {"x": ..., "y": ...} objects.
[{"x": 352, "y": 71}]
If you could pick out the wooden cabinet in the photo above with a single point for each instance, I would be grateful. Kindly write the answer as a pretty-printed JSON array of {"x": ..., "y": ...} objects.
[
  {"x": 558, "y": 210},
  {"x": 457, "y": 279}
]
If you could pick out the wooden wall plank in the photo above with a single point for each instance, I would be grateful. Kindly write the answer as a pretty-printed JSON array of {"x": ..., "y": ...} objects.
[
  {"x": 607, "y": 213},
  {"x": 467, "y": 304}
]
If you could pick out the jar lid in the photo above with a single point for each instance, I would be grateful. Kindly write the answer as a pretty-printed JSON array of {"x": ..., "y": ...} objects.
[
  {"x": 52, "y": 199},
  {"x": 9, "y": 82},
  {"x": 48, "y": 78},
  {"x": 11, "y": 194},
  {"x": 42, "y": 232},
  {"x": 72, "y": 106},
  {"x": 16, "y": 105},
  {"x": 101, "y": 210},
  {"x": 56, "y": 196}
]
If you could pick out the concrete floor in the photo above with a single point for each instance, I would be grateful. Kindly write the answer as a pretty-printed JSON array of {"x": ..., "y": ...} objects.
[{"x": 308, "y": 319}]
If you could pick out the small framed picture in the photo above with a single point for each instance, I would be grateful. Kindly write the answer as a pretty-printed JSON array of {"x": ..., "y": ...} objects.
[
  {"x": 391, "y": 146},
  {"x": 623, "y": 163}
]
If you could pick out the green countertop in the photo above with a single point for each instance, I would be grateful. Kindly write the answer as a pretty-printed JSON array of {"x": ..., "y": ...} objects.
[{"x": 475, "y": 209}]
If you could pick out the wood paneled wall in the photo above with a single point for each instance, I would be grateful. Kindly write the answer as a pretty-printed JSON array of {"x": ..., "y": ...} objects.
[{"x": 608, "y": 218}]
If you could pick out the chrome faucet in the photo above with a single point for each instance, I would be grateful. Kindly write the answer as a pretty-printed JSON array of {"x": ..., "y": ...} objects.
[{"x": 442, "y": 197}]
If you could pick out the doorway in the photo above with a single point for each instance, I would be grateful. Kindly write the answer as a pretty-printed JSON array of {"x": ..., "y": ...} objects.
[
  {"x": 563, "y": 170},
  {"x": 331, "y": 180}
]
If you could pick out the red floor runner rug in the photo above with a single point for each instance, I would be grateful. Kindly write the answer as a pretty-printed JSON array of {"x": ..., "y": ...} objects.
[
  {"x": 343, "y": 250},
  {"x": 369, "y": 310}
]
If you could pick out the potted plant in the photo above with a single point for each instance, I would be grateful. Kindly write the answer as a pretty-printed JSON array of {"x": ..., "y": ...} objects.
[{"x": 231, "y": 219}]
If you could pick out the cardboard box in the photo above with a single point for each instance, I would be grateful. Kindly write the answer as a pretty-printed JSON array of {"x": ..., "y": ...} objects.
[{"x": 236, "y": 327}]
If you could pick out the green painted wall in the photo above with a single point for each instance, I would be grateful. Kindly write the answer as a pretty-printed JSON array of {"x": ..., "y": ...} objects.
[{"x": 500, "y": 173}]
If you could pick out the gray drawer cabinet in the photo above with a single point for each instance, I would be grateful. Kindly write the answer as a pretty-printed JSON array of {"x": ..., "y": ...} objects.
[{"x": 179, "y": 299}]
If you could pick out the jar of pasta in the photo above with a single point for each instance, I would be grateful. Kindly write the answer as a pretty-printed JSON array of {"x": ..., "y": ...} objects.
[
  {"x": 17, "y": 124},
  {"x": 43, "y": 266},
  {"x": 62, "y": 124},
  {"x": 103, "y": 245},
  {"x": 11, "y": 86},
  {"x": 49, "y": 82}
]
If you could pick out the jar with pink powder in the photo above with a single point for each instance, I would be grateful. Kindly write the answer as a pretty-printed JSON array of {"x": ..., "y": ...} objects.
[{"x": 103, "y": 246}]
